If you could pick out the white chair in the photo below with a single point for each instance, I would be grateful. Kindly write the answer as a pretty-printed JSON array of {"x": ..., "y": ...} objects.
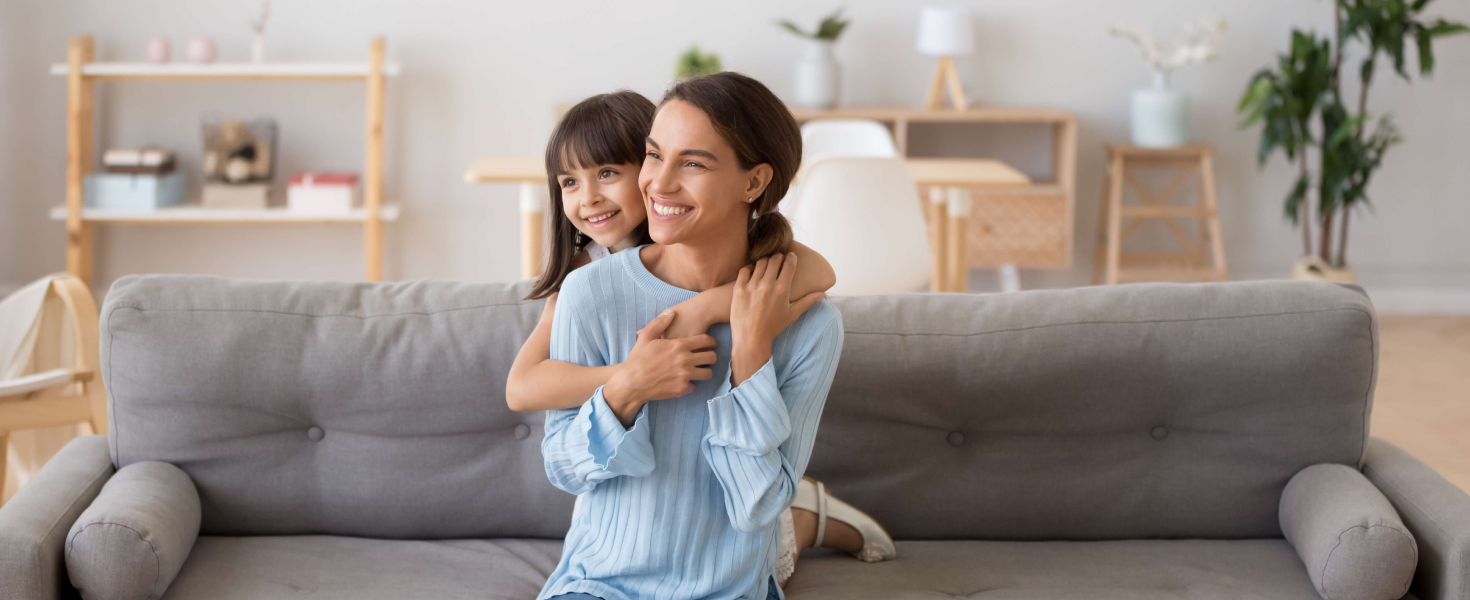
[
  {"x": 863, "y": 215},
  {"x": 831, "y": 138},
  {"x": 825, "y": 138},
  {"x": 48, "y": 374}
]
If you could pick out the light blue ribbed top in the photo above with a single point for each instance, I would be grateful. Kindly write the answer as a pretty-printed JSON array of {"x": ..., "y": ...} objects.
[{"x": 685, "y": 503}]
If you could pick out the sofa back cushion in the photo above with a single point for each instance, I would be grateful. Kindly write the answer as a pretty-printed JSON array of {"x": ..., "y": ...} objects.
[
  {"x": 1138, "y": 411},
  {"x": 378, "y": 410},
  {"x": 373, "y": 410}
]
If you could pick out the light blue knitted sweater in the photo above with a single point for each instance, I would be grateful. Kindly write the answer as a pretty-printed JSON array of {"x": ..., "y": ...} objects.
[{"x": 685, "y": 503}]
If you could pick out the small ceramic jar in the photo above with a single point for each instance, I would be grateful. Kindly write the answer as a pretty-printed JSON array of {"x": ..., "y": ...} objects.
[
  {"x": 202, "y": 50},
  {"x": 158, "y": 50}
]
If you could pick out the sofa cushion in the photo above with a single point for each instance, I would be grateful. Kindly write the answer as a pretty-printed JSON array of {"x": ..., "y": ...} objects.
[
  {"x": 1122, "y": 570},
  {"x": 374, "y": 410},
  {"x": 1133, "y": 411},
  {"x": 328, "y": 568},
  {"x": 130, "y": 543}
]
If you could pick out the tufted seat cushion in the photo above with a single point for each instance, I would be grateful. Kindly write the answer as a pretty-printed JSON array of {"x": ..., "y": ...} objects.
[
  {"x": 330, "y": 568},
  {"x": 1120, "y": 570}
]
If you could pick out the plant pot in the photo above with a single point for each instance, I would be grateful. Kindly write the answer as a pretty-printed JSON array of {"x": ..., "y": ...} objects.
[
  {"x": 1313, "y": 268},
  {"x": 1160, "y": 116},
  {"x": 817, "y": 77}
]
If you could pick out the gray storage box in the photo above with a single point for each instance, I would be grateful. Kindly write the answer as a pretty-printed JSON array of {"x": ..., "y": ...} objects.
[{"x": 134, "y": 193}]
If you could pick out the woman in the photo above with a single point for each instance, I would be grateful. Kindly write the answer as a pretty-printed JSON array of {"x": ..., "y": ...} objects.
[{"x": 691, "y": 451}]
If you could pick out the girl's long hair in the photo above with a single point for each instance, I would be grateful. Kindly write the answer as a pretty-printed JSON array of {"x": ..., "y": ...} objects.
[
  {"x": 761, "y": 130},
  {"x": 606, "y": 129}
]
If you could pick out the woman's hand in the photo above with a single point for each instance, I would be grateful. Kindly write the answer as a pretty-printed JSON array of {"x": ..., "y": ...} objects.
[
  {"x": 658, "y": 369},
  {"x": 761, "y": 310}
]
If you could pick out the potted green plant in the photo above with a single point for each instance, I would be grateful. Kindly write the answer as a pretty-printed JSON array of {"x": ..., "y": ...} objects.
[
  {"x": 817, "y": 73},
  {"x": 1300, "y": 105},
  {"x": 695, "y": 62}
]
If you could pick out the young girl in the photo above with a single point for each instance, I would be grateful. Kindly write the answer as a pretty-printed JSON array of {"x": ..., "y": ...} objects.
[{"x": 592, "y": 163}]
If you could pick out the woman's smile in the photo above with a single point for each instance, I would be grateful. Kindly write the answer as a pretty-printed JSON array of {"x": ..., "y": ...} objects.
[{"x": 664, "y": 210}]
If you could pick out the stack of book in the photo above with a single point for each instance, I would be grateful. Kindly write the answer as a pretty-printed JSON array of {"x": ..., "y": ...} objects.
[{"x": 235, "y": 195}]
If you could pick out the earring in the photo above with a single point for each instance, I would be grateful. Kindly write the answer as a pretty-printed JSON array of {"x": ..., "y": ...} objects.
[{"x": 749, "y": 200}]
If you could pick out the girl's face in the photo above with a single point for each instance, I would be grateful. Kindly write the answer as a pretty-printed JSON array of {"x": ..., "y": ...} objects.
[
  {"x": 692, "y": 179},
  {"x": 603, "y": 202}
]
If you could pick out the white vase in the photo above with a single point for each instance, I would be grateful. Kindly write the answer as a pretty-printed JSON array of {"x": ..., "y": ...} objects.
[
  {"x": 1160, "y": 115},
  {"x": 257, "y": 48},
  {"x": 817, "y": 77}
]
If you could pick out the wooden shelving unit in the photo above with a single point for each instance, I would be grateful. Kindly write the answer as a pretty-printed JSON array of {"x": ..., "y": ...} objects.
[
  {"x": 196, "y": 215},
  {"x": 82, "y": 75}
]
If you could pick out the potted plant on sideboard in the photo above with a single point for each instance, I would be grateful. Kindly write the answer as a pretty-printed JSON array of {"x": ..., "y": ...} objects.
[{"x": 1299, "y": 104}]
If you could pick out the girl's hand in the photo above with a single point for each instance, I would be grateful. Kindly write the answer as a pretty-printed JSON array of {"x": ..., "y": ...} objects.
[
  {"x": 696, "y": 315},
  {"x": 761, "y": 311},
  {"x": 658, "y": 369}
]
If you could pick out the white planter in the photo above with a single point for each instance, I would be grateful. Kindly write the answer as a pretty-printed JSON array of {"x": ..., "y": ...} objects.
[
  {"x": 1312, "y": 268},
  {"x": 817, "y": 77},
  {"x": 1160, "y": 116},
  {"x": 257, "y": 48}
]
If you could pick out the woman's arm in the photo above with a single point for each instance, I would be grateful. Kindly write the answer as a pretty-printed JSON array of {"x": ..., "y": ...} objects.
[
  {"x": 762, "y": 429},
  {"x": 538, "y": 383},
  {"x": 695, "y": 315}
]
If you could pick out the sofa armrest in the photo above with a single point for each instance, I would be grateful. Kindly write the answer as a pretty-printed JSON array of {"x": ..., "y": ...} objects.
[
  {"x": 34, "y": 524},
  {"x": 1435, "y": 511}
]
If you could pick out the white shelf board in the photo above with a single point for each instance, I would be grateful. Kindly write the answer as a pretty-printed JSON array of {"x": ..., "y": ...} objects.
[
  {"x": 199, "y": 214},
  {"x": 241, "y": 70}
]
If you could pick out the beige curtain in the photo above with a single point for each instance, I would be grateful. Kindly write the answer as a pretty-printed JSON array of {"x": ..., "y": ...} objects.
[{"x": 35, "y": 336}]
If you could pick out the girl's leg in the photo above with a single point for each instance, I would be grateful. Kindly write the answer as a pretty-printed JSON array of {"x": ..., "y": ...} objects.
[
  {"x": 821, "y": 519},
  {"x": 839, "y": 535}
]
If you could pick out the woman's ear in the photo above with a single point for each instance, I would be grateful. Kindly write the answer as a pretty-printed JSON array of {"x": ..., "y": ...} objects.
[{"x": 758, "y": 178}]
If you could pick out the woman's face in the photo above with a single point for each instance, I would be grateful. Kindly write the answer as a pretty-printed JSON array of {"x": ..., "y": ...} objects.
[
  {"x": 692, "y": 181},
  {"x": 603, "y": 202}
]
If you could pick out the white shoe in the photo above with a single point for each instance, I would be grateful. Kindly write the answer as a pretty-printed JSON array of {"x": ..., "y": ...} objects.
[{"x": 812, "y": 496}]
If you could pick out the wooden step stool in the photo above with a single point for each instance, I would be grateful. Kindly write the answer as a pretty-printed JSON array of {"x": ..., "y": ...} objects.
[{"x": 1203, "y": 259}]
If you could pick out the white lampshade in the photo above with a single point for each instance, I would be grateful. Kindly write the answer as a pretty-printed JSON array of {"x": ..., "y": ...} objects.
[{"x": 945, "y": 32}]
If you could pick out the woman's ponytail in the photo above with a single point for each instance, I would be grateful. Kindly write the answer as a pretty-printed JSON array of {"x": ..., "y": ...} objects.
[{"x": 769, "y": 234}]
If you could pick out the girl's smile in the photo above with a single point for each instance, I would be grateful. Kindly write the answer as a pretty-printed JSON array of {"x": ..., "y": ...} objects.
[{"x": 602, "y": 219}]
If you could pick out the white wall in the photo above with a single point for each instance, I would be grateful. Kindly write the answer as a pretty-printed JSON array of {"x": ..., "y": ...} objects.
[{"x": 481, "y": 78}]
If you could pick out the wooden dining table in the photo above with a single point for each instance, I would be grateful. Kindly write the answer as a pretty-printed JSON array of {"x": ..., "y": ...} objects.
[{"x": 948, "y": 211}]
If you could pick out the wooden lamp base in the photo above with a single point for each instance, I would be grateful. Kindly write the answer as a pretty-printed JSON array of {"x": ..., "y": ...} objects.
[{"x": 947, "y": 74}]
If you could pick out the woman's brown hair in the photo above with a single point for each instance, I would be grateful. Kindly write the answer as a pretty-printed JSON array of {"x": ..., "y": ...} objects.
[
  {"x": 761, "y": 130},
  {"x": 606, "y": 129}
]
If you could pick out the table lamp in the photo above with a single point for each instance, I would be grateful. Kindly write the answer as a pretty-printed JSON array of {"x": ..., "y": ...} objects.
[{"x": 946, "y": 33}]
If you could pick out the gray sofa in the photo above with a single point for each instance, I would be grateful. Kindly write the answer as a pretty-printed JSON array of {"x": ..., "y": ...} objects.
[{"x": 333, "y": 440}]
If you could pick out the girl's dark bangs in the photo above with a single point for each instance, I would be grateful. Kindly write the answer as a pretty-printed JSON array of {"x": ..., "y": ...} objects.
[{"x": 587, "y": 140}]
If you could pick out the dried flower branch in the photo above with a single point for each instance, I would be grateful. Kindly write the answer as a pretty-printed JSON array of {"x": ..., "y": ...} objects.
[{"x": 1198, "y": 45}]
